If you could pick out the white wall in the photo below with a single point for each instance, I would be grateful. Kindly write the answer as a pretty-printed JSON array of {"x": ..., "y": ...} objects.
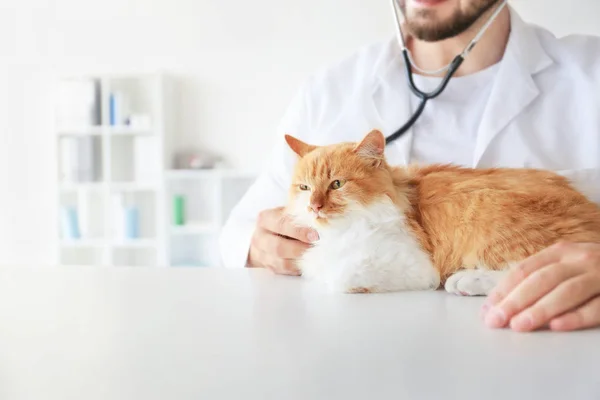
[{"x": 239, "y": 62}]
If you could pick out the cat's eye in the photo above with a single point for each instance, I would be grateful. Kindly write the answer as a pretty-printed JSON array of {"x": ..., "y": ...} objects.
[
  {"x": 303, "y": 187},
  {"x": 335, "y": 185}
]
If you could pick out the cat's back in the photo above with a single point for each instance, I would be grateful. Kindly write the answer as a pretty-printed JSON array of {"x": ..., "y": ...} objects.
[
  {"x": 443, "y": 182},
  {"x": 494, "y": 215},
  {"x": 499, "y": 192}
]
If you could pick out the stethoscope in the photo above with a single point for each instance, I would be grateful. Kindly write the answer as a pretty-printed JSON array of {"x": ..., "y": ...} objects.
[{"x": 450, "y": 68}]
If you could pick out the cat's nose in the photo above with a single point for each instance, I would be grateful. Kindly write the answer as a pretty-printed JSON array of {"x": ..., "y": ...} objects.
[{"x": 316, "y": 207}]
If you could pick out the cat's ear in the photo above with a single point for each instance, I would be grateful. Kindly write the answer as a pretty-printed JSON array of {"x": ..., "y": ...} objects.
[
  {"x": 298, "y": 146},
  {"x": 372, "y": 146}
]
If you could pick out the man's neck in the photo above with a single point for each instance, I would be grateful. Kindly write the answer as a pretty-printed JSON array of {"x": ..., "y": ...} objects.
[{"x": 432, "y": 56}]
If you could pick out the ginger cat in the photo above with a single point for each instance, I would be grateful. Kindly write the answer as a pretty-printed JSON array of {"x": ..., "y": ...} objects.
[{"x": 385, "y": 228}]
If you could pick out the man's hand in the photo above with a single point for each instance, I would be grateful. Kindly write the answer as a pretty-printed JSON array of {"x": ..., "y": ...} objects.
[
  {"x": 557, "y": 288},
  {"x": 277, "y": 243}
]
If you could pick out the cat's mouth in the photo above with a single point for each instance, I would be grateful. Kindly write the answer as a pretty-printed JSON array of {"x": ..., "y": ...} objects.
[{"x": 320, "y": 216}]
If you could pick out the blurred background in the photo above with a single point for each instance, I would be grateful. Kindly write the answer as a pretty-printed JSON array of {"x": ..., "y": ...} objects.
[{"x": 129, "y": 128}]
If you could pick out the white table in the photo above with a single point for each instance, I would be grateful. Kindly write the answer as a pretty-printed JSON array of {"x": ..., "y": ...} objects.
[{"x": 170, "y": 334}]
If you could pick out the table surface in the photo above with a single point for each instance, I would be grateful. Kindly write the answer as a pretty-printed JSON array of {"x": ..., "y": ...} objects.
[{"x": 141, "y": 333}]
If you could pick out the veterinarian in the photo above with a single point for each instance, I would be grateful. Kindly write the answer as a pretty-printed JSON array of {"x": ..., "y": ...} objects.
[{"x": 521, "y": 98}]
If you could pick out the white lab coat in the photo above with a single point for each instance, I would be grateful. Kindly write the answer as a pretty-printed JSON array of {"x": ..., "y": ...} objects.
[{"x": 543, "y": 112}]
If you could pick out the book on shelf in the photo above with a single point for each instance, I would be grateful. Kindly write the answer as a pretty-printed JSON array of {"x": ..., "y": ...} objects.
[
  {"x": 79, "y": 103},
  {"x": 81, "y": 159}
]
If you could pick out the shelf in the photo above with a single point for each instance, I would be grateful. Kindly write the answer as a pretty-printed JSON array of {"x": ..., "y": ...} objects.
[
  {"x": 183, "y": 174},
  {"x": 82, "y": 256},
  {"x": 114, "y": 187},
  {"x": 132, "y": 187},
  {"x": 83, "y": 186},
  {"x": 193, "y": 229},
  {"x": 128, "y": 131},
  {"x": 123, "y": 130},
  {"x": 82, "y": 243},
  {"x": 135, "y": 243},
  {"x": 80, "y": 131}
]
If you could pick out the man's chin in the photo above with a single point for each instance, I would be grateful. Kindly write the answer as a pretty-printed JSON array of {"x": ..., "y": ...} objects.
[
  {"x": 431, "y": 31},
  {"x": 441, "y": 23}
]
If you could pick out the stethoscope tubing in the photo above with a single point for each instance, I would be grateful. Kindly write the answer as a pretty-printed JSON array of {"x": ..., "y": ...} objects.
[
  {"x": 450, "y": 70},
  {"x": 423, "y": 96}
]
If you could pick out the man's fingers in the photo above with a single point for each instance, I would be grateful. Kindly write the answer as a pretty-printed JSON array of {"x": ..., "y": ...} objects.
[
  {"x": 276, "y": 265},
  {"x": 530, "y": 290},
  {"x": 277, "y": 222},
  {"x": 585, "y": 317},
  {"x": 278, "y": 246},
  {"x": 567, "y": 296},
  {"x": 278, "y": 253},
  {"x": 281, "y": 266},
  {"x": 521, "y": 271},
  {"x": 277, "y": 242},
  {"x": 285, "y": 267}
]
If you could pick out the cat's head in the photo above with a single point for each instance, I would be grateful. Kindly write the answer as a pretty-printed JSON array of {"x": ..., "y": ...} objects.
[{"x": 330, "y": 182}]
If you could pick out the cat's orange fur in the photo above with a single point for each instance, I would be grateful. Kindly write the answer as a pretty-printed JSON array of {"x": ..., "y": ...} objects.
[{"x": 463, "y": 218}]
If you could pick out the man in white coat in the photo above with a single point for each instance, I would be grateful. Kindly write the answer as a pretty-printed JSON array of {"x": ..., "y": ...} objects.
[{"x": 522, "y": 98}]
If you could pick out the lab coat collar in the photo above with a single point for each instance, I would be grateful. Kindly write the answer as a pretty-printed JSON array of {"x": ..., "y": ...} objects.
[{"x": 513, "y": 89}]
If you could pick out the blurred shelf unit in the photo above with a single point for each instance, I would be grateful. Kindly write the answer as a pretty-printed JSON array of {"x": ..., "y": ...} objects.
[
  {"x": 111, "y": 132},
  {"x": 120, "y": 202}
]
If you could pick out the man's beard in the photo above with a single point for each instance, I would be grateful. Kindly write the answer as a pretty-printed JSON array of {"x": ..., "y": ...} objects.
[{"x": 425, "y": 26}]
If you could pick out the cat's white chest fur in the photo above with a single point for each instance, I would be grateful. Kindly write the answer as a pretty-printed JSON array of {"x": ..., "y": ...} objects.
[{"x": 371, "y": 250}]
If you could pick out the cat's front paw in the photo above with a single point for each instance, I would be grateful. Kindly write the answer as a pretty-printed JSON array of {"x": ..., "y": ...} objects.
[{"x": 473, "y": 282}]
